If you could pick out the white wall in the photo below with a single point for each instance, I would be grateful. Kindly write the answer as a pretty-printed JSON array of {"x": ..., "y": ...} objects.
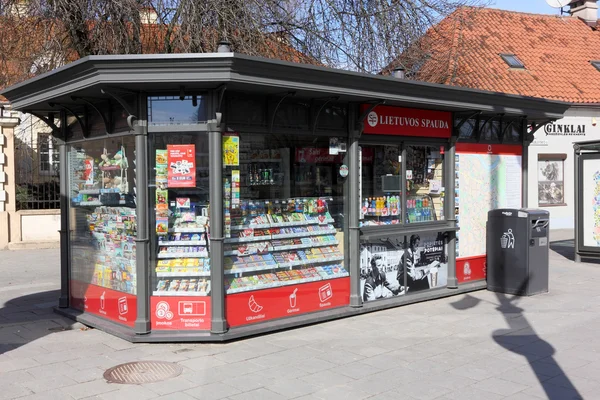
[
  {"x": 40, "y": 225},
  {"x": 561, "y": 217}
]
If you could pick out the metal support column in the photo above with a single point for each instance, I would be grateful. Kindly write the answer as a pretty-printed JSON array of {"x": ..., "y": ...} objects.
[
  {"x": 215, "y": 143},
  {"x": 354, "y": 207},
  {"x": 450, "y": 213},
  {"x": 524, "y": 172},
  {"x": 142, "y": 255},
  {"x": 578, "y": 187},
  {"x": 63, "y": 301}
]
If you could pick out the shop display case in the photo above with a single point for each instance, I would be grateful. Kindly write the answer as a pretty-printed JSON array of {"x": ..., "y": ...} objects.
[{"x": 282, "y": 243}]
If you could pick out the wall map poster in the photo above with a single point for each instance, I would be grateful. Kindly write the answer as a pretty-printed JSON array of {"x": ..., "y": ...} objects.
[
  {"x": 382, "y": 271},
  {"x": 591, "y": 202}
]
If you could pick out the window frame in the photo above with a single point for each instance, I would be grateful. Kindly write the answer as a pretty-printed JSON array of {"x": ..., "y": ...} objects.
[{"x": 512, "y": 61}]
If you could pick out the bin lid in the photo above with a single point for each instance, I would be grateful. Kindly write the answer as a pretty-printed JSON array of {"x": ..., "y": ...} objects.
[{"x": 518, "y": 213}]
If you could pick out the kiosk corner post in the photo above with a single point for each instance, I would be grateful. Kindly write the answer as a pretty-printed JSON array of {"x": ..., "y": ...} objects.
[
  {"x": 450, "y": 215},
  {"x": 142, "y": 322},
  {"x": 525, "y": 168},
  {"x": 215, "y": 144},
  {"x": 578, "y": 187},
  {"x": 354, "y": 206},
  {"x": 65, "y": 259}
]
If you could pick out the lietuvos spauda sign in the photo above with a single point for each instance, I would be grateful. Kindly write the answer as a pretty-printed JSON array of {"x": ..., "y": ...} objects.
[
  {"x": 387, "y": 120},
  {"x": 554, "y": 129}
]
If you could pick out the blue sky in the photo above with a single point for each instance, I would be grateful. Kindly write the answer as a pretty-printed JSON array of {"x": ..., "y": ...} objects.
[{"x": 531, "y": 6}]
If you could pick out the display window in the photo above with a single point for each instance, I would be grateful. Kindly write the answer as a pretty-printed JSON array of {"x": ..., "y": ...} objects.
[
  {"x": 424, "y": 183},
  {"x": 284, "y": 225},
  {"x": 388, "y": 268},
  {"x": 381, "y": 185},
  {"x": 102, "y": 214},
  {"x": 180, "y": 259}
]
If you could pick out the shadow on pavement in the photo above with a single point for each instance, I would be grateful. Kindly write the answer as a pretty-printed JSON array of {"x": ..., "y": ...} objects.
[
  {"x": 566, "y": 248},
  {"x": 522, "y": 339},
  {"x": 27, "y": 318}
]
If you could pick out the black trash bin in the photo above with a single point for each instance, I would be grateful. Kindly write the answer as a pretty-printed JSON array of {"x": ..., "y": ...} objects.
[{"x": 517, "y": 251}]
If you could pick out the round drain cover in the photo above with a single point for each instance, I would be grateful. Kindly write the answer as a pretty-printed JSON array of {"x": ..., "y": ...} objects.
[{"x": 139, "y": 372}]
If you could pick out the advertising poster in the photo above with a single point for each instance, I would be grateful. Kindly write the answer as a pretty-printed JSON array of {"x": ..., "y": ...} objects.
[
  {"x": 231, "y": 150},
  {"x": 487, "y": 177},
  {"x": 161, "y": 168},
  {"x": 591, "y": 202},
  {"x": 382, "y": 269},
  {"x": 181, "y": 165}
]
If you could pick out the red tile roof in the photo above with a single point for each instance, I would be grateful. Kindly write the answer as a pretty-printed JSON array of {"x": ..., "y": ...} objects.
[{"x": 464, "y": 51}]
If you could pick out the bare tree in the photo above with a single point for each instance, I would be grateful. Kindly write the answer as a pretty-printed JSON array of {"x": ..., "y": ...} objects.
[{"x": 360, "y": 35}]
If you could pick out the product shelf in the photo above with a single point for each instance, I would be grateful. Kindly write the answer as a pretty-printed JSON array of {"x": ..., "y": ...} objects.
[
  {"x": 285, "y": 283},
  {"x": 179, "y": 294},
  {"x": 182, "y": 243},
  {"x": 303, "y": 234},
  {"x": 305, "y": 246},
  {"x": 310, "y": 261},
  {"x": 234, "y": 271},
  {"x": 183, "y": 255},
  {"x": 182, "y": 274},
  {"x": 263, "y": 238},
  {"x": 187, "y": 230}
]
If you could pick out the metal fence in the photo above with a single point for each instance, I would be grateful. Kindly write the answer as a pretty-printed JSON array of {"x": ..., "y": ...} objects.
[{"x": 36, "y": 166}]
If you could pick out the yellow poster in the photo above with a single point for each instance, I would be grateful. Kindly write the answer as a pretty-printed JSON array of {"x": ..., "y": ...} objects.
[{"x": 231, "y": 150}]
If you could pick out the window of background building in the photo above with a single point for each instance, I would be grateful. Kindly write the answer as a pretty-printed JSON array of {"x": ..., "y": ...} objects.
[
  {"x": 47, "y": 154},
  {"x": 551, "y": 179}
]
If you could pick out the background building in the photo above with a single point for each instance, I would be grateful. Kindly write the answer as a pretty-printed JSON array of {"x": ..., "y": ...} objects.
[{"x": 552, "y": 57}]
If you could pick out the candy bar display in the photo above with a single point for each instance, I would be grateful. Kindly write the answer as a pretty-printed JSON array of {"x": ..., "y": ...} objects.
[{"x": 281, "y": 242}]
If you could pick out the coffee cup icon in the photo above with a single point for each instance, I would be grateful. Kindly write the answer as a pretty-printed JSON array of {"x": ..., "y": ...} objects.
[{"x": 293, "y": 298}]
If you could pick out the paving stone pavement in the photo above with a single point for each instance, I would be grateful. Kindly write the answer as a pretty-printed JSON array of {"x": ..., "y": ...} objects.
[{"x": 480, "y": 345}]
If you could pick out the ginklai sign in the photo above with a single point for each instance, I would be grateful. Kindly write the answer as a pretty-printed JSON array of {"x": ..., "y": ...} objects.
[{"x": 387, "y": 120}]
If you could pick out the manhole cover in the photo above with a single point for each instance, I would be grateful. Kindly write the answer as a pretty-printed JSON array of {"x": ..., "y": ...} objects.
[{"x": 139, "y": 372}]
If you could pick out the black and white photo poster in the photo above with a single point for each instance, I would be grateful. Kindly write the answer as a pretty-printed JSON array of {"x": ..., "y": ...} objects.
[
  {"x": 383, "y": 274},
  {"x": 550, "y": 182}
]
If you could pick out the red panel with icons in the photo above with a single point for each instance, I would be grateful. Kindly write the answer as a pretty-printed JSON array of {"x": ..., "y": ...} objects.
[
  {"x": 180, "y": 313},
  {"x": 388, "y": 120},
  {"x": 264, "y": 305},
  {"x": 470, "y": 269},
  {"x": 107, "y": 303},
  {"x": 477, "y": 148}
]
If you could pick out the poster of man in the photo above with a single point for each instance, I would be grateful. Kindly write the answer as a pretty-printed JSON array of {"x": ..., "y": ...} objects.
[
  {"x": 383, "y": 274},
  {"x": 550, "y": 182}
]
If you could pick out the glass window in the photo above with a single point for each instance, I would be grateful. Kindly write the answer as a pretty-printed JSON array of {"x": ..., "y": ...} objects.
[
  {"x": 284, "y": 218},
  {"x": 512, "y": 61},
  {"x": 551, "y": 179},
  {"x": 424, "y": 183},
  {"x": 173, "y": 110},
  {"x": 468, "y": 130},
  {"x": 179, "y": 196},
  {"x": 47, "y": 154},
  {"x": 103, "y": 227},
  {"x": 381, "y": 185}
]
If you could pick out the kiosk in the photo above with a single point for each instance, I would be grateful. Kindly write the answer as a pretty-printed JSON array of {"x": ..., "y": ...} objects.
[
  {"x": 208, "y": 197},
  {"x": 587, "y": 199}
]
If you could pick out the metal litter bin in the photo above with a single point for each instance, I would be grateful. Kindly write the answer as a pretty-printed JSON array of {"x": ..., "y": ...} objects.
[{"x": 517, "y": 251}]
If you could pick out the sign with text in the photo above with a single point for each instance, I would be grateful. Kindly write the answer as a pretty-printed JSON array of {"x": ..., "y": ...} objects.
[
  {"x": 180, "y": 313},
  {"x": 264, "y": 305},
  {"x": 388, "y": 120},
  {"x": 107, "y": 303},
  {"x": 181, "y": 165}
]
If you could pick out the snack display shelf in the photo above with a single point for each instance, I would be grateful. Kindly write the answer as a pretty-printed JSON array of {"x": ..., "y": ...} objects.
[
  {"x": 234, "y": 271},
  {"x": 311, "y": 261},
  {"x": 96, "y": 203},
  {"x": 167, "y": 293},
  {"x": 305, "y": 246},
  {"x": 182, "y": 243},
  {"x": 187, "y": 230},
  {"x": 303, "y": 234},
  {"x": 183, "y": 255},
  {"x": 284, "y": 283},
  {"x": 261, "y": 160},
  {"x": 282, "y": 224},
  {"x": 236, "y": 253},
  {"x": 248, "y": 239},
  {"x": 181, "y": 274}
]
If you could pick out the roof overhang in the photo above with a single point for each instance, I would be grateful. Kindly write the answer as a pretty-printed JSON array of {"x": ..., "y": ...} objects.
[{"x": 198, "y": 72}]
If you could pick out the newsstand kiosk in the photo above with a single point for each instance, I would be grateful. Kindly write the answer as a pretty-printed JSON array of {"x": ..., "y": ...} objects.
[{"x": 214, "y": 196}]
